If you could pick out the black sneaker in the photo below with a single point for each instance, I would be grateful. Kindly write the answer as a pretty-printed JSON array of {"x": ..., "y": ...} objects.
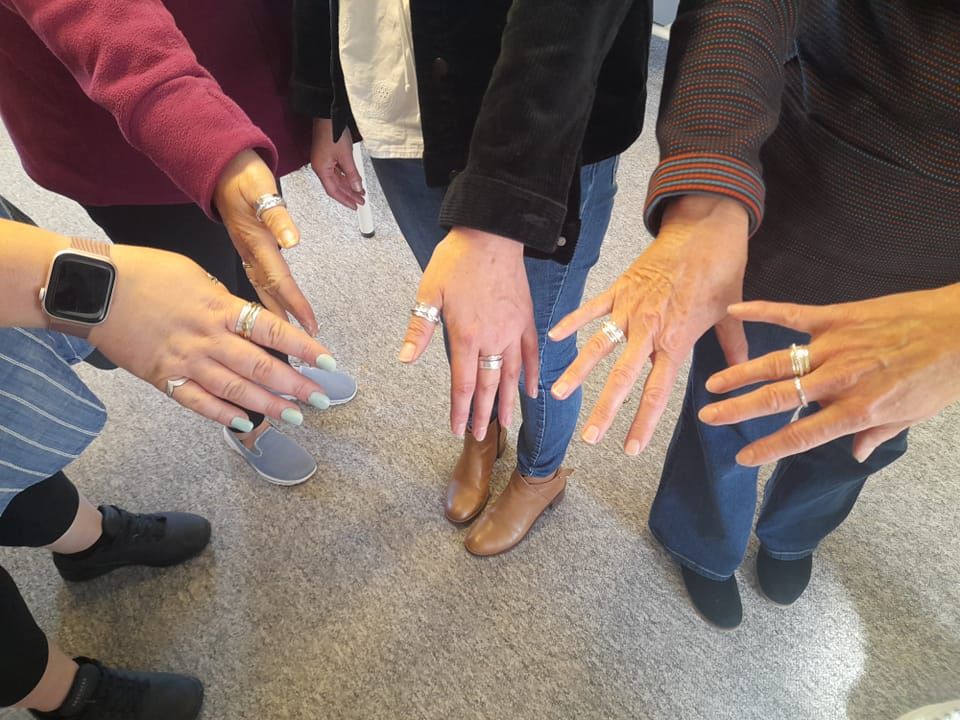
[
  {"x": 718, "y": 601},
  {"x": 783, "y": 581},
  {"x": 102, "y": 693},
  {"x": 156, "y": 540}
]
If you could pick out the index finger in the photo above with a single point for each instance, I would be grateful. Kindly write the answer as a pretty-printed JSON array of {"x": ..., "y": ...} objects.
[
  {"x": 281, "y": 226},
  {"x": 280, "y": 284},
  {"x": 599, "y": 306}
]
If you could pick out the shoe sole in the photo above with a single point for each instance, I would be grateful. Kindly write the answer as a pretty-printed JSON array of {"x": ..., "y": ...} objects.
[
  {"x": 269, "y": 478},
  {"x": 333, "y": 403}
]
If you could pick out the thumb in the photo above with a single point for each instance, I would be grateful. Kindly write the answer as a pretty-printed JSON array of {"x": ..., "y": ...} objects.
[
  {"x": 282, "y": 227},
  {"x": 349, "y": 168},
  {"x": 866, "y": 441},
  {"x": 733, "y": 340}
]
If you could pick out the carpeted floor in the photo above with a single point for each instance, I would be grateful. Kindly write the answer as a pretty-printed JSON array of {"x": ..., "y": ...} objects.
[{"x": 352, "y": 597}]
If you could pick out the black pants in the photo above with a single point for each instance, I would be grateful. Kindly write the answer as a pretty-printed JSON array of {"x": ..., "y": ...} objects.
[
  {"x": 37, "y": 516},
  {"x": 182, "y": 229}
]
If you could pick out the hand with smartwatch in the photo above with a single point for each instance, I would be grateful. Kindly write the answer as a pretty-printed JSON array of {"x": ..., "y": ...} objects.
[{"x": 199, "y": 344}]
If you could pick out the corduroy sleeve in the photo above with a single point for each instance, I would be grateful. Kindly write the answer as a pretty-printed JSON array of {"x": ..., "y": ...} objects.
[
  {"x": 526, "y": 142},
  {"x": 131, "y": 59},
  {"x": 311, "y": 89},
  {"x": 721, "y": 100}
]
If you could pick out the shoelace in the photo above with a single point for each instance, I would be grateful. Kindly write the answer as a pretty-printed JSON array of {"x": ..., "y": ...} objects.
[
  {"x": 117, "y": 698},
  {"x": 143, "y": 527}
]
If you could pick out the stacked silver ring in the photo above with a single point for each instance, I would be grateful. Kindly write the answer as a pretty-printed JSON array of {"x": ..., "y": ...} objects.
[
  {"x": 427, "y": 312},
  {"x": 247, "y": 319},
  {"x": 268, "y": 202},
  {"x": 613, "y": 332},
  {"x": 491, "y": 362},
  {"x": 800, "y": 363}
]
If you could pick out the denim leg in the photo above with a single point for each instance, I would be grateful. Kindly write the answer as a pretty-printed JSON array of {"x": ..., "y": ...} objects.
[
  {"x": 556, "y": 290},
  {"x": 810, "y": 494},
  {"x": 704, "y": 508},
  {"x": 548, "y": 424}
]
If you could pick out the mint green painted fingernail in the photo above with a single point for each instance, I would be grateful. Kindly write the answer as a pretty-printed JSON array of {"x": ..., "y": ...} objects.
[
  {"x": 319, "y": 400},
  {"x": 241, "y": 425},
  {"x": 326, "y": 362},
  {"x": 292, "y": 416}
]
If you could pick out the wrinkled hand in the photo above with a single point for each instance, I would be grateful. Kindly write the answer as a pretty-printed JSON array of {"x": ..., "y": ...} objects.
[
  {"x": 242, "y": 183},
  {"x": 158, "y": 335},
  {"x": 332, "y": 161},
  {"x": 479, "y": 281},
  {"x": 879, "y": 367},
  {"x": 677, "y": 289}
]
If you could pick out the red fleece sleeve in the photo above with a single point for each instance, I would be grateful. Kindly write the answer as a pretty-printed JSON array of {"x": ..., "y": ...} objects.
[{"x": 130, "y": 58}]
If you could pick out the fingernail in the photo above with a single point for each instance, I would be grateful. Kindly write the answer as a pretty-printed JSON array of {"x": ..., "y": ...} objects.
[
  {"x": 710, "y": 384},
  {"x": 460, "y": 430},
  {"x": 407, "y": 351},
  {"x": 326, "y": 362},
  {"x": 241, "y": 425},
  {"x": 319, "y": 400},
  {"x": 560, "y": 390},
  {"x": 861, "y": 456},
  {"x": 591, "y": 434},
  {"x": 708, "y": 414},
  {"x": 292, "y": 416},
  {"x": 746, "y": 458},
  {"x": 550, "y": 333},
  {"x": 633, "y": 447},
  {"x": 357, "y": 186},
  {"x": 480, "y": 434},
  {"x": 288, "y": 239}
]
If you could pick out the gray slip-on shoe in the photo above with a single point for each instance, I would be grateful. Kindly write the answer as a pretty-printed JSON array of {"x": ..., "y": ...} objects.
[
  {"x": 277, "y": 458},
  {"x": 338, "y": 386}
]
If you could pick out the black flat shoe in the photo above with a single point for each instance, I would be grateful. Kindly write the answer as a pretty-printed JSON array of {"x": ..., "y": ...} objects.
[
  {"x": 783, "y": 581},
  {"x": 102, "y": 693},
  {"x": 156, "y": 540},
  {"x": 718, "y": 601}
]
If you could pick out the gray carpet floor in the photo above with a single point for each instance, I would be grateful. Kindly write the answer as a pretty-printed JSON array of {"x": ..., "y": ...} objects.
[{"x": 351, "y": 597}]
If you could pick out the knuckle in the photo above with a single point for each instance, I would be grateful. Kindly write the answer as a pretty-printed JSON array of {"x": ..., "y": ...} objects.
[
  {"x": 274, "y": 332},
  {"x": 233, "y": 390},
  {"x": 261, "y": 369},
  {"x": 655, "y": 396},
  {"x": 463, "y": 388},
  {"x": 623, "y": 376},
  {"x": 596, "y": 345}
]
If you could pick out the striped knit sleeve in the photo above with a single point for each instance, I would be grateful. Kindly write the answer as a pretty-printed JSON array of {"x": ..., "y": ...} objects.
[{"x": 721, "y": 100}]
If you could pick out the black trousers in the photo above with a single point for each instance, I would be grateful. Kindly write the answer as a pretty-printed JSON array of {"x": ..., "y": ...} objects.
[
  {"x": 182, "y": 229},
  {"x": 37, "y": 516}
]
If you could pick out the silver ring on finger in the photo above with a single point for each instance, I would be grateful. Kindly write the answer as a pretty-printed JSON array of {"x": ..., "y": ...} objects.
[
  {"x": 491, "y": 362},
  {"x": 799, "y": 359},
  {"x": 800, "y": 393},
  {"x": 613, "y": 332},
  {"x": 427, "y": 312},
  {"x": 247, "y": 319},
  {"x": 268, "y": 202},
  {"x": 174, "y": 383}
]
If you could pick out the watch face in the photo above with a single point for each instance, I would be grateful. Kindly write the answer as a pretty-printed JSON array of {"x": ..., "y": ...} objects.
[{"x": 79, "y": 289}]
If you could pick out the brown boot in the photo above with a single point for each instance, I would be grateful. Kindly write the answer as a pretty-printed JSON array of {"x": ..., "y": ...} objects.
[
  {"x": 509, "y": 519},
  {"x": 469, "y": 487}
]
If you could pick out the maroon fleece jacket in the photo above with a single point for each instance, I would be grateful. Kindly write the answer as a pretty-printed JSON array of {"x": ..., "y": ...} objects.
[{"x": 114, "y": 102}]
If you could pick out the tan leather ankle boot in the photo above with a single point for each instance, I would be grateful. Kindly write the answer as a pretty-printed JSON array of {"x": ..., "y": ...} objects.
[
  {"x": 505, "y": 523},
  {"x": 469, "y": 487}
]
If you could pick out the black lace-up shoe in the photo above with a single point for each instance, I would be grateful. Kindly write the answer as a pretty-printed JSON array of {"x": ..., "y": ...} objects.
[
  {"x": 718, "y": 601},
  {"x": 156, "y": 540},
  {"x": 101, "y": 693}
]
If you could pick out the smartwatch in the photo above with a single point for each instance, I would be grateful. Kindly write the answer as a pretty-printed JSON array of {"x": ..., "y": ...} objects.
[{"x": 76, "y": 297}]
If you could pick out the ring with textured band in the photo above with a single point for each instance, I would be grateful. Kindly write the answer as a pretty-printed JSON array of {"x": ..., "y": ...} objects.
[
  {"x": 799, "y": 359},
  {"x": 268, "y": 202},
  {"x": 491, "y": 362},
  {"x": 800, "y": 393},
  {"x": 174, "y": 383},
  {"x": 427, "y": 312},
  {"x": 247, "y": 319},
  {"x": 613, "y": 332}
]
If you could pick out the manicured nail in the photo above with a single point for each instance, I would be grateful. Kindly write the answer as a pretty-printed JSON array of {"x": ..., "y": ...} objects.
[
  {"x": 319, "y": 400},
  {"x": 591, "y": 434},
  {"x": 407, "y": 351},
  {"x": 357, "y": 186},
  {"x": 633, "y": 447},
  {"x": 241, "y": 425},
  {"x": 326, "y": 362},
  {"x": 288, "y": 239},
  {"x": 560, "y": 390},
  {"x": 292, "y": 416}
]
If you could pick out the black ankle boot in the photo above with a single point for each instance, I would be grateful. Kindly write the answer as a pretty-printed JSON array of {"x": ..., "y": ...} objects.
[
  {"x": 718, "y": 601},
  {"x": 101, "y": 693},
  {"x": 156, "y": 540},
  {"x": 783, "y": 581}
]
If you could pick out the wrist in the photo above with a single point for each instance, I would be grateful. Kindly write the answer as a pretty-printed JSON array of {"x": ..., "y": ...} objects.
[
  {"x": 488, "y": 242},
  {"x": 692, "y": 208}
]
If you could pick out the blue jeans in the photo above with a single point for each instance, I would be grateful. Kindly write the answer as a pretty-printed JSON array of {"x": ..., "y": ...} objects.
[
  {"x": 705, "y": 505},
  {"x": 548, "y": 424}
]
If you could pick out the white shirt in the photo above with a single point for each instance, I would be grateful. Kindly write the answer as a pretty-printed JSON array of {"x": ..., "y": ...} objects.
[{"x": 376, "y": 52}]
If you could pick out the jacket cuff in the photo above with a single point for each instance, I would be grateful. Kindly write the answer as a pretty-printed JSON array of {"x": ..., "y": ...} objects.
[
  {"x": 497, "y": 207},
  {"x": 309, "y": 100},
  {"x": 217, "y": 131},
  {"x": 700, "y": 174}
]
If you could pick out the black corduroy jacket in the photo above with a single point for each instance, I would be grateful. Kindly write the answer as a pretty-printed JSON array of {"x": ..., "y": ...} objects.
[{"x": 514, "y": 98}]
